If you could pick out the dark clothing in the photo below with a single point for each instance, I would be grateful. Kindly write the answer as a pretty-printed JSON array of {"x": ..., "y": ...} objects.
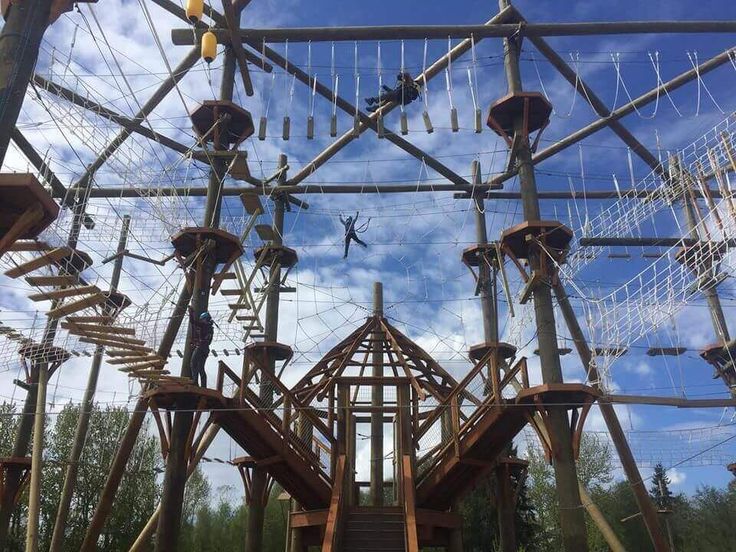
[
  {"x": 404, "y": 93},
  {"x": 352, "y": 236},
  {"x": 351, "y": 233},
  {"x": 202, "y": 333},
  {"x": 196, "y": 365},
  {"x": 202, "y": 330}
]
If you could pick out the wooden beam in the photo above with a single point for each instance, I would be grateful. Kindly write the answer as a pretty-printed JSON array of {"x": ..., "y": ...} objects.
[
  {"x": 232, "y": 15},
  {"x": 183, "y": 37},
  {"x": 669, "y": 401},
  {"x": 58, "y": 189}
]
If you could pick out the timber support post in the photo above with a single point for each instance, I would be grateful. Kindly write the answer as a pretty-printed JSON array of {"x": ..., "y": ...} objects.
[
  {"x": 376, "y": 481},
  {"x": 515, "y": 125},
  {"x": 177, "y": 462}
]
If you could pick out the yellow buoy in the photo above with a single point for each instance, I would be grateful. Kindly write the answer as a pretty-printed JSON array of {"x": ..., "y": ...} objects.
[
  {"x": 195, "y": 8},
  {"x": 209, "y": 46}
]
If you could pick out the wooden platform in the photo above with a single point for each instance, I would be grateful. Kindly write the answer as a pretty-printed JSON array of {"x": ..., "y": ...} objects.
[
  {"x": 26, "y": 208},
  {"x": 251, "y": 430}
]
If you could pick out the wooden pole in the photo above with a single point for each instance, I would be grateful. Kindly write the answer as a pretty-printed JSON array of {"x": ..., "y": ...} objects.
[
  {"x": 376, "y": 488},
  {"x": 175, "y": 476},
  {"x": 256, "y": 509},
  {"x": 20, "y": 40},
  {"x": 643, "y": 500},
  {"x": 85, "y": 412},
  {"x": 442, "y": 32},
  {"x": 572, "y": 519},
  {"x": 34, "y": 491}
]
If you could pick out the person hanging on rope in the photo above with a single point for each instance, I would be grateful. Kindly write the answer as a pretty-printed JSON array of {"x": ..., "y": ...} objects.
[
  {"x": 201, "y": 331},
  {"x": 405, "y": 92},
  {"x": 351, "y": 233}
]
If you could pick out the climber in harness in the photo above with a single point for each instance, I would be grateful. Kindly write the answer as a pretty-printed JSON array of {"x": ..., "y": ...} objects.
[
  {"x": 351, "y": 233},
  {"x": 201, "y": 332},
  {"x": 405, "y": 92}
]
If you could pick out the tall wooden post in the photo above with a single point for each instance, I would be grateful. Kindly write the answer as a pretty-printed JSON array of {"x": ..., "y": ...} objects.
[
  {"x": 643, "y": 500},
  {"x": 377, "y": 404},
  {"x": 20, "y": 40},
  {"x": 175, "y": 476},
  {"x": 34, "y": 495},
  {"x": 256, "y": 509},
  {"x": 572, "y": 519},
  {"x": 80, "y": 434}
]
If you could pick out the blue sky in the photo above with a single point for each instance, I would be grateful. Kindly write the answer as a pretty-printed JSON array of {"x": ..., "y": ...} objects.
[{"x": 415, "y": 239}]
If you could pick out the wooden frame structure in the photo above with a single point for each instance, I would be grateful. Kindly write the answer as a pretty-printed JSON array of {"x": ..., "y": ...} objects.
[{"x": 471, "y": 421}]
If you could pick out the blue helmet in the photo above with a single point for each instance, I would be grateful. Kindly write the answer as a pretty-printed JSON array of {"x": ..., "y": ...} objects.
[{"x": 205, "y": 316}]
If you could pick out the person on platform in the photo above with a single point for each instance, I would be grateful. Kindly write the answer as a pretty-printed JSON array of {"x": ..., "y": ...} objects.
[
  {"x": 405, "y": 92},
  {"x": 201, "y": 331},
  {"x": 351, "y": 233}
]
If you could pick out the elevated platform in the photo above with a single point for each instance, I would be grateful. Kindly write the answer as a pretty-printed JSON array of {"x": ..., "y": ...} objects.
[
  {"x": 262, "y": 351},
  {"x": 532, "y": 106},
  {"x": 237, "y": 121},
  {"x": 26, "y": 209},
  {"x": 18, "y": 464},
  {"x": 473, "y": 255},
  {"x": 250, "y": 429},
  {"x": 227, "y": 247},
  {"x": 479, "y": 351},
  {"x": 285, "y": 256},
  {"x": 518, "y": 239}
]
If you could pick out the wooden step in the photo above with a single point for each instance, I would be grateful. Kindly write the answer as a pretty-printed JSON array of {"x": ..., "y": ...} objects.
[
  {"x": 133, "y": 359},
  {"x": 46, "y": 259},
  {"x": 89, "y": 319},
  {"x": 119, "y": 345},
  {"x": 265, "y": 232},
  {"x": 228, "y": 276},
  {"x": 95, "y": 328},
  {"x": 252, "y": 203},
  {"x": 63, "y": 293},
  {"x": 227, "y": 292},
  {"x": 239, "y": 306},
  {"x": 53, "y": 281},
  {"x": 144, "y": 365},
  {"x": 246, "y": 318},
  {"x": 32, "y": 245},
  {"x": 121, "y": 353},
  {"x": 75, "y": 306}
]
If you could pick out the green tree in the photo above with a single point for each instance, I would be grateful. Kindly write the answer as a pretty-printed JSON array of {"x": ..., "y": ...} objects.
[
  {"x": 660, "y": 489},
  {"x": 595, "y": 471}
]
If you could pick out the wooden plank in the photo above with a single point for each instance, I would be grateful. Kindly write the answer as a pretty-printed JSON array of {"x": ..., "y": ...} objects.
[
  {"x": 108, "y": 343},
  {"x": 252, "y": 203},
  {"x": 230, "y": 292},
  {"x": 131, "y": 359},
  {"x": 89, "y": 319},
  {"x": 265, "y": 232},
  {"x": 669, "y": 401},
  {"x": 110, "y": 337},
  {"x": 98, "y": 329},
  {"x": 25, "y": 245},
  {"x": 412, "y": 539},
  {"x": 39, "y": 262},
  {"x": 115, "y": 353},
  {"x": 75, "y": 306},
  {"x": 63, "y": 293},
  {"x": 150, "y": 364},
  {"x": 49, "y": 281}
]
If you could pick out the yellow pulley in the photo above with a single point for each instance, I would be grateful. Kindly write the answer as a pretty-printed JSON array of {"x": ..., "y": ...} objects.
[
  {"x": 195, "y": 8},
  {"x": 209, "y": 46}
]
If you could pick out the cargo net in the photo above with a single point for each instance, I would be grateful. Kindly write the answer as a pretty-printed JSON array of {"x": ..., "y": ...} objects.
[{"x": 653, "y": 297}]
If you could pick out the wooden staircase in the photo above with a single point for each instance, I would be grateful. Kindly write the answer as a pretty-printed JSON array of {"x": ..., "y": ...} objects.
[{"x": 374, "y": 530}]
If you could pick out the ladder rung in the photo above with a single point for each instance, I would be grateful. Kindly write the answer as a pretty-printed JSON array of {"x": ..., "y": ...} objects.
[
  {"x": 75, "y": 306},
  {"x": 228, "y": 276},
  {"x": 231, "y": 292},
  {"x": 134, "y": 359},
  {"x": 239, "y": 306},
  {"x": 284, "y": 289},
  {"x": 44, "y": 281},
  {"x": 246, "y": 318},
  {"x": 89, "y": 319},
  {"x": 39, "y": 262},
  {"x": 119, "y": 345},
  {"x": 94, "y": 328},
  {"x": 63, "y": 293}
]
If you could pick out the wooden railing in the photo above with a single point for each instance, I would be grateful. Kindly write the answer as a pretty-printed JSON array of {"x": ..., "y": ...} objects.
[{"x": 333, "y": 529}]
